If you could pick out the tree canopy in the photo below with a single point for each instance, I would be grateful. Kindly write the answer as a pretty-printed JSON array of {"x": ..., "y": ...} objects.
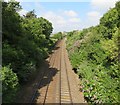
[{"x": 26, "y": 43}]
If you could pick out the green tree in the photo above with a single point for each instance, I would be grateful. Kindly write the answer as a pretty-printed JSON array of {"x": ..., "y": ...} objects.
[{"x": 26, "y": 43}]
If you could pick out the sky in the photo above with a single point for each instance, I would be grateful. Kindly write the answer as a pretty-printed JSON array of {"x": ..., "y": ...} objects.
[{"x": 68, "y": 15}]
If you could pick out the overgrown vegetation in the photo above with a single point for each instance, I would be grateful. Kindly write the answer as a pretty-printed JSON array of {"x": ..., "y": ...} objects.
[
  {"x": 26, "y": 42},
  {"x": 9, "y": 83},
  {"x": 57, "y": 36},
  {"x": 95, "y": 53}
]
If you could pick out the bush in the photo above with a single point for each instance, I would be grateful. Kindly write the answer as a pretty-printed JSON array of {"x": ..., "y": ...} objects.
[{"x": 9, "y": 84}]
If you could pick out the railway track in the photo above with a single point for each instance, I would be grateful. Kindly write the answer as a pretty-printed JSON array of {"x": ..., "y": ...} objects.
[
  {"x": 55, "y": 86},
  {"x": 65, "y": 87}
]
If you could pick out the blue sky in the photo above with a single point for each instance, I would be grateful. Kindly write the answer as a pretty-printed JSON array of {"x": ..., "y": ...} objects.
[{"x": 68, "y": 16}]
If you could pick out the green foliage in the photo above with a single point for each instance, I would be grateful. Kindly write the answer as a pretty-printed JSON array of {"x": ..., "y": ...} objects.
[
  {"x": 109, "y": 23},
  {"x": 94, "y": 52},
  {"x": 26, "y": 43},
  {"x": 9, "y": 84},
  {"x": 57, "y": 36},
  {"x": 11, "y": 22}
]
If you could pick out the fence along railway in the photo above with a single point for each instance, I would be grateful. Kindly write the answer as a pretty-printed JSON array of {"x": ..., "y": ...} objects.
[{"x": 59, "y": 84}]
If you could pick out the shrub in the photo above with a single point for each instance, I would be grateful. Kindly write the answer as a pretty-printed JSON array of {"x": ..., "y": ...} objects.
[{"x": 9, "y": 84}]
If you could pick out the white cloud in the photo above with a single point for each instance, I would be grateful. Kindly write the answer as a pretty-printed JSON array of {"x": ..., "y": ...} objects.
[
  {"x": 70, "y": 13},
  {"x": 99, "y": 7},
  {"x": 75, "y": 20},
  {"x": 103, "y": 5},
  {"x": 92, "y": 19},
  {"x": 93, "y": 14},
  {"x": 61, "y": 22},
  {"x": 54, "y": 18}
]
